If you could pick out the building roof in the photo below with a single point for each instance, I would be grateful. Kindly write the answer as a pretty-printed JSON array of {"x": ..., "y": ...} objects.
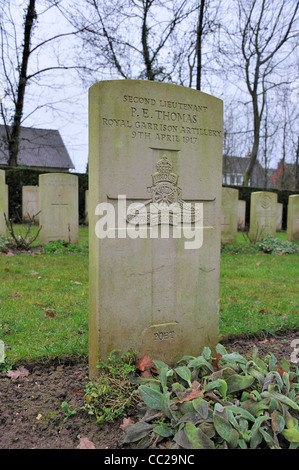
[{"x": 39, "y": 148}]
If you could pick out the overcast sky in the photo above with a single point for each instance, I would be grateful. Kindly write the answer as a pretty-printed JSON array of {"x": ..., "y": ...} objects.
[{"x": 64, "y": 93}]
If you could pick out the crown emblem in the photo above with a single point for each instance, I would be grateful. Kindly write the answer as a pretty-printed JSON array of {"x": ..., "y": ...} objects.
[
  {"x": 163, "y": 173},
  {"x": 165, "y": 195}
]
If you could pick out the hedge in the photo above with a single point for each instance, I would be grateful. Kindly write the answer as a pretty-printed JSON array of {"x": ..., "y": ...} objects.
[{"x": 18, "y": 177}]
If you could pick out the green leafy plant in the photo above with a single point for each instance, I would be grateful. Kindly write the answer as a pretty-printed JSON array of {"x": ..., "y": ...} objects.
[
  {"x": 3, "y": 245},
  {"x": 62, "y": 246},
  {"x": 274, "y": 245},
  {"x": 227, "y": 401},
  {"x": 109, "y": 397},
  {"x": 68, "y": 412}
]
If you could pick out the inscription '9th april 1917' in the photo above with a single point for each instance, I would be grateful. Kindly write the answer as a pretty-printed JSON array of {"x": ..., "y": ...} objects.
[{"x": 170, "y": 124}]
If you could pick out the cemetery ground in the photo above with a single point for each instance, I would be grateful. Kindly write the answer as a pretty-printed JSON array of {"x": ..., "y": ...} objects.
[{"x": 44, "y": 327}]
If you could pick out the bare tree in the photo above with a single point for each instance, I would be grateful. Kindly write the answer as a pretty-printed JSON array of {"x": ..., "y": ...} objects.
[
  {"x": 265, "y": 35},
  {"x": 192, "y": 49},
  {"x": 16, "y": 71},
  {"x": 257, "y": 54},
  {"x": 128, "y": 39}
]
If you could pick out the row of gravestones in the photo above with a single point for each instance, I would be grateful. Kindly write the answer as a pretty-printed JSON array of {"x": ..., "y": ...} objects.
[
  {"x": 265, "y": 215},
  {"x": 54, "y": 203},
  {"x": 58, "y": 193}
]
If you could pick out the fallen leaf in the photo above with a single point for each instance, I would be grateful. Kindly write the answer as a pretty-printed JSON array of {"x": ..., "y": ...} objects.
[
  {"x": 215, "y": 362},
  {"x": 126, "y": 422},
  {"x": 79, "y": 392},
  {"x": 39, "y": 416},
  {"x": 50, "y": 314},
  {"x": 18, "y": 373},
  {"x": 190, "y": 396},
  {"x": 6, "y": 270},
  {"x": 146, "y": 374},
  {"x": 195, "y": 385},
  {"x": 85, "y": 443},
  {"x": 264, "y": 341},
  {"x": 262, "y": 310},
  {"x": 233, "y": 298},
  {"x": 13, "y": 296},
  {"x": 145, "y": 363}
]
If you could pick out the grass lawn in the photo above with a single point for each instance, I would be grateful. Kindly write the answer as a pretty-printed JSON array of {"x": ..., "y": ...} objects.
[{"x": 44, "y": 299}]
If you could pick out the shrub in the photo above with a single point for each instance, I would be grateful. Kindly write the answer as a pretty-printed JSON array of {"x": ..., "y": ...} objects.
[
  {"x": 62, "y": 246},
  {"x": 274, "y": 245},
  {"x": 227, "y": 401}
]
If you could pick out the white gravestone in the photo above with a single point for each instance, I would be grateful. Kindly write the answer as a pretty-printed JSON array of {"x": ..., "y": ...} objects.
[
  {"x": 58, "y": 203},
  {"x": 155, "y": 150}
]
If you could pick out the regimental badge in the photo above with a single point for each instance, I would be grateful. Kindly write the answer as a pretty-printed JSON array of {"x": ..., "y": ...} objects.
[{"x": 166, "y": 203}]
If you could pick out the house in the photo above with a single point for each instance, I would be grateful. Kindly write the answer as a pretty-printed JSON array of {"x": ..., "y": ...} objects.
[
  {"x": 285, "y": 176},
  {"x": 39, "y": 149},
  {"x": 233, "y": 169}
]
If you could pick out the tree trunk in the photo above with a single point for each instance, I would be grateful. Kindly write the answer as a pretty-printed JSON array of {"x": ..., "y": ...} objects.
[
  {"x": 256, "y": 142},
  {"x": 13, "y": 144},
  {"x": 199, "y": 34}
]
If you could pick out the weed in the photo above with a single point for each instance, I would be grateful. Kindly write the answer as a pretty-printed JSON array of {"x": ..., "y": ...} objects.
[
  {"x": 109, "y": 397},
  {"x": 68, "y": 412},
  {"x": 19, "y": 241},
  {"x": 62, "y": 246}
]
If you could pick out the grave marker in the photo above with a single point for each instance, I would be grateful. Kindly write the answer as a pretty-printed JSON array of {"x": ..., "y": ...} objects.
[
  {"x": 86, "y": 207},
  {"x": 279, "y": 216},
  {"x": 241, "y": 215},
  {"x": 58, "y": 203},
  {"x": 293, "y": 219},
  {"x": 154, "y": 149},
  {"x": 7, "y": 201},
  {"x": 263, "y": 215},
  {"x": 229, "y": 215},
  {"x": 30, "y": 204},
  {"x": 2, "y": 203}
]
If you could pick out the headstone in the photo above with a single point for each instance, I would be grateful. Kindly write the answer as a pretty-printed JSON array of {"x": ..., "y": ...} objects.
[
  {"x": 263, "y": 214},
  {"x": 6, "y": 201},
  {"x": 58, "y": 203},
  {"x": 2, "y": 203},
  {"x": 279, "y": 216},
  {"x": 293, "y": 219},
  {"x": 241, "y": 215},
  {"x": 229, "y": 215},
  {"x": 30, "y": 204},
  {"x": 86, "y": 207},
  {"x": 154, "y": 286}
]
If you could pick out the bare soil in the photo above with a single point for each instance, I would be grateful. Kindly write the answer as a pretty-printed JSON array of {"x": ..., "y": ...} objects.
[{"x": 31, "y": 416}]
